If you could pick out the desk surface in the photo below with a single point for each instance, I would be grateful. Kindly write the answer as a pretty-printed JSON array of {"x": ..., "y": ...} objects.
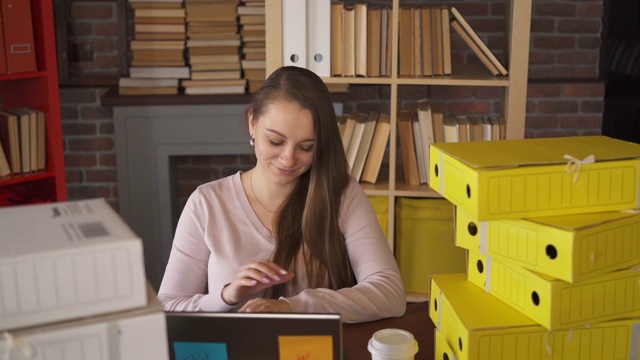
[{"x": 415, "y": 320}]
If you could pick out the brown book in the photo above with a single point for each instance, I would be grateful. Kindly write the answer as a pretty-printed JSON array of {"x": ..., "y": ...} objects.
[
  {"x": 198, "y": 59},
  {"x": 348, "y": 130},
  {"x": 437, "y": 117},
  {"x": 160, "y": 20},
  {"x": 158, "y": 45},
  {"x": 427, "y": 53},
  {"x": 386, "y": 33},
  {"x": 361, "y": 32},
  {"x": 349, "y": 41},
  {"x": 255, "y": 73},
  {"x": 408, "y": 148},
  {"x": 373, "y": 41},
  {"x": 365, "y": 145},
  {"x": 405, "y": 42},
  {"x": 142, "y": 82},
  {"x": 210, "y": 83},
  {"x": 251, "y": 19},
  {"x": 159, "y": 28},
  {"x": 19, "y": 47},
  {"x": 156, "y": 63},
  {"x": 160, "y": 12},
  {"x": 212, "y": 42},
  {"x": 436, "y": 42},
  {"x": 155, "y": 4},
  {"x": 215, "y": 90},
  {"x": 377, "y": 149},
  {"x": 41, "y": 140},
  {"x": 446, "y": 40},
  {"x": 262, "y": 55},
  {"x": 255, "y": 85},
  {"x": 160, "y": 36},
  {"x": 10, "y": 135},
  {"x": 148, "y": 91},
  {"x": 211, "y": 12},
  {"x": 157, "y": 55},
  {"x": 195, "y": 28},
  {"x": 463, "y": 129},
  {"x": 5, "y": 169},
  {"x": 416, "y": 14},
  {"x": 356, "y": 138},
  {"x": 216, "y": 75},
  {"x": 215, "y": 66},
  {"x": 24, "y": 128},
  {"x": 337, "y": 37},
  {"x": 475, "y": 128},
  {"x": 213, "y": 50},
  {"x": 484, "y": 49}
]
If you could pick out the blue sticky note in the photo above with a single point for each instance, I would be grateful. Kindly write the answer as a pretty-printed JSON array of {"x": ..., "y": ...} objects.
[{"x": 200, "y": 351}]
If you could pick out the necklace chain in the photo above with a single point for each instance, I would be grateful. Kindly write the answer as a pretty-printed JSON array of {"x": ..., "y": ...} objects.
[{"x": 254, "y": 193}]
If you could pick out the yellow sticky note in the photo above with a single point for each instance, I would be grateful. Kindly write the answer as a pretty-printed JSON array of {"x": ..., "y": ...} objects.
[{"x": 306, "y": 347}]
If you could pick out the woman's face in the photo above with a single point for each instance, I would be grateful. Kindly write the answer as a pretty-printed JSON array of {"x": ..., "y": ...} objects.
[{"x": 284, "y": 141}]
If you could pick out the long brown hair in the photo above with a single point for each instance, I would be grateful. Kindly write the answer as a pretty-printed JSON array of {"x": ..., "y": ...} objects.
[{"x": 307, "y": 222}]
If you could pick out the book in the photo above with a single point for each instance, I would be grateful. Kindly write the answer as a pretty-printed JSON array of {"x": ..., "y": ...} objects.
[
  {"x": 495, "y": 127},
  {"x": 25, "y": 138},
  {"x": 451, "y": 132},
  {"x": 216, "y": 75},
  {"x": 436, "y": 42},
  {"x": 405, "y": 42},
  {"x": 158, "y": 45},
  {"x": 365, "y": 145},
  {"x": 5, "y": 169},
  {"x": 227, "y": 89},
  {"x": 426, "y": 131},
  {"x": 502, "y": 124},
  {"x": 386, "y": 33},
  {"x": 348, "y": 130},
  {"x": 377, "y": 149},
  {"x": 157, "y": 55},
  {"x": 416, "y": 14},
  {"x": 349, "y": 41},
  {"x": 408, "y": 148},
  {"x": 478, "y": 41},
  {"x": 373, "y": 41},
  {"x": 19, "y": 47},
  {"x": 209, "y": 83},
  {"x": 417, "y": 140},
  {"x": 474, "y": 47},
  {"x": 143, "y": 82},
  {"x": 437, "y": 117},
  {"x": 41, "y": 140},
  {"x": 427, "y": 60},
  {"x": 159, "y": 28},
  {"x": 177, "y": 72},
  {"x": 463, "y": 128},
  {"x": 10, "y": 135},
  {"x": 148, "y": 91},
  {"x": 446, "y": 40},
  {"x": 475, "y": 128},
  {"x": 356, "y": 138},
  {"x": 160, "y": 12},
  {"x": 361, "y": 33},
  {"x": 487, "y": 132}
]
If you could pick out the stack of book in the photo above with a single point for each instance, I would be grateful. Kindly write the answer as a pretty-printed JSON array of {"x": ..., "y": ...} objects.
[
  {"x": 73, "y": 286},
  {"x": 213, "y": 48},
  {"x": 251, "y": 17},
  {"x": 22, "y": 141},
  {"x": 426, "y": 125},
  {"x": 551, "y": 229},
  {"x": 364, "y": 138},
  {"x": 157, "y": 49}
]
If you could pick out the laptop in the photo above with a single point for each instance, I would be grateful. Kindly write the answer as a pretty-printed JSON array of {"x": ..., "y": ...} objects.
[{"x": 251, "y": 336}]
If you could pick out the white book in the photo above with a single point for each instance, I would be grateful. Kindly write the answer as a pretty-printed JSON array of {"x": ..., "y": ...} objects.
[
  {"x": 172, "y": 72},
  {"x": 426, "y": 131},
  {"x": 294, "y": 34},
  {"x": 417, "y": 139},
  {"x": 67, "y": 260},
  {"x": 319, "y": 37},
  {"x": 356, "y": 137}
]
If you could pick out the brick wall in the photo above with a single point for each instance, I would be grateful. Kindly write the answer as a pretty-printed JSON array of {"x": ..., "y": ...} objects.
[{"x": 564, "y": 95}]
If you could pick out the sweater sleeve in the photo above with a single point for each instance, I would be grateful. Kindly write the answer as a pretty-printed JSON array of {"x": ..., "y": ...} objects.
[
  {"x": 184, "y": 284},
  {"x": 379, "y": 292}
]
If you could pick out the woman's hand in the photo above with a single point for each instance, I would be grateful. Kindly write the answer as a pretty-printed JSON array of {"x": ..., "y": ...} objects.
[
  {"x": 252, "y": 278},
  {"x": 266, "y": 306}
]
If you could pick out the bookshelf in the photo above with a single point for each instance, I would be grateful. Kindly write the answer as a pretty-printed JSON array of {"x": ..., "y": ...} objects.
[
  {"x": 514, "y": 87},
  {"x": 37, "y": 90}
]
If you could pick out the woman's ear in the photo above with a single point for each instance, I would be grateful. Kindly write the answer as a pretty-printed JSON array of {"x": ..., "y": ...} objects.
[{"x": 252, "y": 122}]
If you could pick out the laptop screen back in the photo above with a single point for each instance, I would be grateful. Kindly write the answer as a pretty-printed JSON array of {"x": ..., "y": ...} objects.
[{"x": 251, "y": 336}]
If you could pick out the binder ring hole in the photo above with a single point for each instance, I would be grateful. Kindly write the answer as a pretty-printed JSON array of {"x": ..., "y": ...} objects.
[
  {"x": 318, "y": 58},
  {"x": 460, "y": 343},
  {"x": 480, "y": 266},
  {"x": 535, "y": 298},
  {"x": 294, "y": 58},
  {"x": 472, "y": 228},
  {"x": 435, "y": 304},
  {"x": 551, "y": 251},
  {"x": 468, "y": 191},
  {"x": 445, "y": 356},
  {"x": 435, "y": 170}
]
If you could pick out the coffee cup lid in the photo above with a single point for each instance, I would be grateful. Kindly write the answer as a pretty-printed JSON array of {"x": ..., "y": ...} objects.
[{"x": 391, "y": 341}]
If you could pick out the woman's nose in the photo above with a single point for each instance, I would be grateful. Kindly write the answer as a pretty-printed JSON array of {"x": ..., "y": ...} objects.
[{"x": 288, "y": 157}]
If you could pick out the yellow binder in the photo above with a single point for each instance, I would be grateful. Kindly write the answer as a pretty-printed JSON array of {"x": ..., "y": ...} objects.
[
  {"x": 557, "y": 304},
  {"x": 442, "y": 348},
  {"x": 566, "y": 247},
  {"x": 495, "y": 180},
  {"x": 478, "y": 326}
]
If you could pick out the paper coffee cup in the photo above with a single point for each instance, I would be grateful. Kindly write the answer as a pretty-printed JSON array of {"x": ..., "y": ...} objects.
[{"x": 392, "y": 344}]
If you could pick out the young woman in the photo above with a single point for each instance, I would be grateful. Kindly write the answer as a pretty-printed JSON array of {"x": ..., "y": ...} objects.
[{"x": 294, "y": 234}]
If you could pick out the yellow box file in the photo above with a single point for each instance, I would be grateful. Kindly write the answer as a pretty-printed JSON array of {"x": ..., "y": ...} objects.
[
  {"x": 442, "y": 349},
  {"x": 567, "y": 247},
  {"x": 478, "y": 326},
  {"x": 381, "y": 207},
  {"x": 557, "y": 304},
  {"x": 425, "y": 242},
  {"x": 495, "y": 180}
]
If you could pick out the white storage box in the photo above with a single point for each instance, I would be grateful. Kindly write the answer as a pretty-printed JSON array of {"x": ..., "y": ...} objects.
[
  {"x": 130, "y": 335},
  {"x": 67, "y": 260}
]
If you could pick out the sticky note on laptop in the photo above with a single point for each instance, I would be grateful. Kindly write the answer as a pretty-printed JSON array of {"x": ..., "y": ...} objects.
[
  {"x": 186, "y": 350},
  {"x": 306, "y": 347}
]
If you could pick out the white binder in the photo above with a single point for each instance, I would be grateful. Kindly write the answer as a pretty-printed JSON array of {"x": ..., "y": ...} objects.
[
  {"x": 294, "y": 33},
  {"x": 319, "y": 37}
]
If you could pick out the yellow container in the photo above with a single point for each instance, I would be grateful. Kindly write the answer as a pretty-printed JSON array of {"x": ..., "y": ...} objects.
[
  {"x": 557, "y": 304},
  {"x": 478, "y": 326},
  {"x": 442, "y": 348},
  {"x": 381, "y": 207},
  {"x": 425, "y": 242},
  {"x": 496, "y": 180},
  {"x": 572, "y": 248}
]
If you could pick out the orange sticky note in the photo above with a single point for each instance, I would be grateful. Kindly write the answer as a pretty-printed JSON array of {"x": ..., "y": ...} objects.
[{"x": 306, "y": 347}]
